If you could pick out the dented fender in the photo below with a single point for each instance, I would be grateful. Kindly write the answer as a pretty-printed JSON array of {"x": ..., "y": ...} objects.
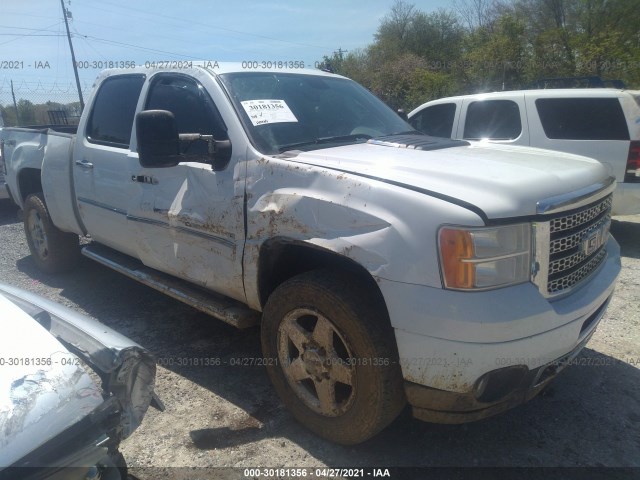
[{"x": 380, "y": 226}]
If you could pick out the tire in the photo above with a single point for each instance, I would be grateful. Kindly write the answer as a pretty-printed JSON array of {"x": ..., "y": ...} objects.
[
  {"x": 52, "y": 250},
  {"x": 330, "y": 353},
  {"x": 114, "y": 466}
]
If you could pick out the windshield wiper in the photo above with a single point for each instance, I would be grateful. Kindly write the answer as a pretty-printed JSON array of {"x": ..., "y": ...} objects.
[{"x": 323, "y": 140}]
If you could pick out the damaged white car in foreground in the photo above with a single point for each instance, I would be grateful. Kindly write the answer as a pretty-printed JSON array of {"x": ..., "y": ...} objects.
[{"x": 53, "y": 413}]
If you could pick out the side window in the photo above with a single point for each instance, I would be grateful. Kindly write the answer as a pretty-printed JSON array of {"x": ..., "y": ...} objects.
[
  {"x": 582, "y": 118},
  {"x": 493, "y": 119},
  {"x": 436, "y": 120},
  {"x": 192, "y": 107},
  {"x": 113, "y": 111}
]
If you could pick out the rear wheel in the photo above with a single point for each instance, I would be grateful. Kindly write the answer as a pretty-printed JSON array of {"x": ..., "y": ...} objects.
[
  {"x": 52, "y": 249},
  {"x": 331, "y": 356}
]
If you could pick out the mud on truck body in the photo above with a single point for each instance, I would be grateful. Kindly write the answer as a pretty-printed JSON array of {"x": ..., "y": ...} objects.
[{"x": 384, "y": 266}]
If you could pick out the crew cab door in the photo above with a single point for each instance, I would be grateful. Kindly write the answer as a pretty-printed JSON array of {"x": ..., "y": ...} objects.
[
  {"x": 188, "y": 219},
  {"x": 103, "y": 162}
]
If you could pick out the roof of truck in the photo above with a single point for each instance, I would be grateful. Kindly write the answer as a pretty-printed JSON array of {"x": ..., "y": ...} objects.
[{"x": 218, "y": 68}]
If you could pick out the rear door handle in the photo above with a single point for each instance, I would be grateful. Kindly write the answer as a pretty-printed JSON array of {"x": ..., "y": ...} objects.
[{"x": 84, "y": 164}]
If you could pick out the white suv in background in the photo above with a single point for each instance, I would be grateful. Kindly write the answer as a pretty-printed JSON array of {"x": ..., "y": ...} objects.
[{"x": 599, "y": 123}]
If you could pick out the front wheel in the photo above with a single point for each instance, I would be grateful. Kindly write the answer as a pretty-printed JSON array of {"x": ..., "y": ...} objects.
[
  {"x": 52, "y": 250},
  {"x": 332, "y": 357}
]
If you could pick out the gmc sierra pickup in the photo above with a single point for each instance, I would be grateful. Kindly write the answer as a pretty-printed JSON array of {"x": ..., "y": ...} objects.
[{"x": 384, "y": 266}]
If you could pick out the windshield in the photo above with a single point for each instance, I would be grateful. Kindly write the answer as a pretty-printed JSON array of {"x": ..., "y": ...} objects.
[{"x": 288, "y": 111}]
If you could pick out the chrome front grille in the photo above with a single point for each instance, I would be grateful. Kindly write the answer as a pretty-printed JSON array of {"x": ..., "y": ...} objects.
[
  {"x": 571, "y": 247},
  {"x": 568, "y": 242},
  {"x": 569, "y": 280},
  {"x": 579, "y": 218}
]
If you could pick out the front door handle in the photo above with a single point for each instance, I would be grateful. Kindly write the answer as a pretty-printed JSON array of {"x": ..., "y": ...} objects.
[{"x": 84, "y": 164}]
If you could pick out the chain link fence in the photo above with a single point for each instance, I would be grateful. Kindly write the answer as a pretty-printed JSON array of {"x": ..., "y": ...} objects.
[{"x": 39, "y": 103}]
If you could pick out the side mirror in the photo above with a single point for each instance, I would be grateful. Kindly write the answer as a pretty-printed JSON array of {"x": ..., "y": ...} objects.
[
  {"x": 158, "y": 140},
  {"x": 403, "y": 115}
]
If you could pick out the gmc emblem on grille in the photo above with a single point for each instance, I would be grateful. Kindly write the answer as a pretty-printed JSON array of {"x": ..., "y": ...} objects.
[{"x": 592, "y": 241}]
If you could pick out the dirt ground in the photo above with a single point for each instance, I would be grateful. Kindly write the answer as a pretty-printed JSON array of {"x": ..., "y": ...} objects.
[{"x": 229, "y": 416}]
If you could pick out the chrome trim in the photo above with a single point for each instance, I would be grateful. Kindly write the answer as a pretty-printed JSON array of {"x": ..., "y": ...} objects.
[
  {"x": 549, "y": 243},
  {"x": 540, "y": 271},
  {"x": 188, "y": 231},
  {"x": 577, "y": 198},
  {"x": 104, "y": 206},
  {"x": 496, "y": 258}
]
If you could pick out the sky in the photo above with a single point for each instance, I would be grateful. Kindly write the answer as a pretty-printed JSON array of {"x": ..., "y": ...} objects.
[{"x": 34, "y": 48}]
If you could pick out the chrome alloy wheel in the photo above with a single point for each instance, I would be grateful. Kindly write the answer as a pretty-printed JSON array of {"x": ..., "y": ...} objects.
[{"x": 38, "y": 234}]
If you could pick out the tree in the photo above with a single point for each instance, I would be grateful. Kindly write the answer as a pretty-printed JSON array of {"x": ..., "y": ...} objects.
[
  {"x": 474, "y": 13},
  {"x": 8, "y": 115},
  {"x": 26, "y": 112},
  {"x": 494, "y": 44}
]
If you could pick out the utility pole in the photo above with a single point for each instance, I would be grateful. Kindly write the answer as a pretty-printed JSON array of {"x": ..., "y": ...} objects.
[
  {"x": 340, "y": 52},
  {"x": 73, "y": 56},
  {"x": 15, "y": 105}
]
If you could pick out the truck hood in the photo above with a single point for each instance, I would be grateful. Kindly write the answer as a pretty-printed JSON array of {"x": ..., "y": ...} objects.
[{"x": 495, "y": 181}]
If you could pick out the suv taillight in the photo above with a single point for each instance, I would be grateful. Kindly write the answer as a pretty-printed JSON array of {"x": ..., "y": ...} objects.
[{"x": 632, "y": 172}]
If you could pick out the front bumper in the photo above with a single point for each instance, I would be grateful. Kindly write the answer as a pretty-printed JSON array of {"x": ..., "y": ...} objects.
[
  {"x": 512, "y": 386},
  {"x": 466, "y": 356}
]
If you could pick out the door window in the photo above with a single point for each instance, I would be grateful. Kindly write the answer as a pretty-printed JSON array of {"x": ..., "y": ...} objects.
[
  {"x": 436, "y": 120},
  {"x": 493, "y": 120},
  {"x": 193, "y": 109},
  {"x": 113, "y": 111}
]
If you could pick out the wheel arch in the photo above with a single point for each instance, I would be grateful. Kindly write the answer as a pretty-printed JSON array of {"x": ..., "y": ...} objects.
[
  {"x": 282, "y": 258},
  {"x": 29, "y": 182}
]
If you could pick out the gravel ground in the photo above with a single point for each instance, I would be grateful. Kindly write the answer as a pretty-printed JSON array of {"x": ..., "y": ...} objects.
[{"x": 229, "y": 416}]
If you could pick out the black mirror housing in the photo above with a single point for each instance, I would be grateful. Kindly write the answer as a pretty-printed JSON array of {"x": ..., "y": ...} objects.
[{"x": 158, "y": 140}]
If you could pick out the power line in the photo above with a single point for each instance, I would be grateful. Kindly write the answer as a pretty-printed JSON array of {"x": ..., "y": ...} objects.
[
  {"x": 24, "y": 28},
  {"x": 29, "y": 35},
  {"x": 22, "y": 35},
  {"x": 113, "y": 42},
  {"x": 8, "y": 12}
]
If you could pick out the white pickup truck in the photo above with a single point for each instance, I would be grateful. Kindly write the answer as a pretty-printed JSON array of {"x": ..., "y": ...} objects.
[{"x": 384, "y": 266}]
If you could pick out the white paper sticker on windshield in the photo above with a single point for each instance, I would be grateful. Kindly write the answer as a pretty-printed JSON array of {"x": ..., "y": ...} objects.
[{"x": 262, "y": 112}]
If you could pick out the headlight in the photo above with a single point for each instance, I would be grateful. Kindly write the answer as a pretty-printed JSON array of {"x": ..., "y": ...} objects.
[{"x": 485, "y": 258}]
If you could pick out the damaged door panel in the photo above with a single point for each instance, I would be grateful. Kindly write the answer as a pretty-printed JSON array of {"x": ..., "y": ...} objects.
[{"x": 189, "y": 224}]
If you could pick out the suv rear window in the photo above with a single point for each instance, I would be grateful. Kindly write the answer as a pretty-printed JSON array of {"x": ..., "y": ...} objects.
[
  {"x": 436, "y": 120},
  {"x": 493, "y": 119},
  {"x": 582, "y": 118}
]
